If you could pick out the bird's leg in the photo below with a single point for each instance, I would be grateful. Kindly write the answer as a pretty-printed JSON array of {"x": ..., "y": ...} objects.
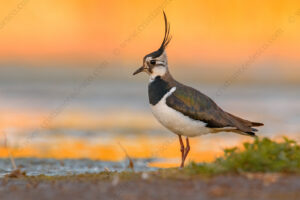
[
  {"x": 182, "y": 151},
  {"x": 187, "y": 149}
]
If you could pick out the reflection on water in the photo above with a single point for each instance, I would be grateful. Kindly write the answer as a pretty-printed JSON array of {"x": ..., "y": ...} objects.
[
  {"x": 40, "y": 119},
  {"x": 54, "y": 167}
]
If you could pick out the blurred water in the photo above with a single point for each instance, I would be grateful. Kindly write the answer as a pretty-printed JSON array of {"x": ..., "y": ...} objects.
[
  {"x": 276, "y": 105},
  {"x": 81, "y": 119},
  {"x": 54, "y": 167}
]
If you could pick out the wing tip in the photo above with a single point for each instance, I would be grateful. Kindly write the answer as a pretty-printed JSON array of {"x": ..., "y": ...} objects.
[{"x": 257, "y": 124}]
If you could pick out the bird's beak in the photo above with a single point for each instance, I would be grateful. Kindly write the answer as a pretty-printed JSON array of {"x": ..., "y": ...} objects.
[{"x": 139, "y": 70}]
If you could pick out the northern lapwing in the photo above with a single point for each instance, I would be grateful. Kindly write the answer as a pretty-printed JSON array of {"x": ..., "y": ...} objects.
[{"x": 182, "y": 109}]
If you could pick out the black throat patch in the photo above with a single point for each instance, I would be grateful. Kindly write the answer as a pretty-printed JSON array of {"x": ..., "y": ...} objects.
[{"x": 157, "y": 89}]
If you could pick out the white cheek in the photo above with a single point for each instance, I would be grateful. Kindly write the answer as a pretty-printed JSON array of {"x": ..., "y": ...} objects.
[{"x": 158, "y": 71}]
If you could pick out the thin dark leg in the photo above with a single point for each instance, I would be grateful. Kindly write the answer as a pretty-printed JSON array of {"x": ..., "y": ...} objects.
[
  {"x": 187, "y": 149},
  {"x": 182, "y": 151}
]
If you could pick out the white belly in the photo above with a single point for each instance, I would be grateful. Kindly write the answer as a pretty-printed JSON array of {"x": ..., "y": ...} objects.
[{"x": 176, "y": 121}]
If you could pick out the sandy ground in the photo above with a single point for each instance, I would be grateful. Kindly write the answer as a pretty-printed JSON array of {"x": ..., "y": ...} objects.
[{"x": 221, "y": 187}]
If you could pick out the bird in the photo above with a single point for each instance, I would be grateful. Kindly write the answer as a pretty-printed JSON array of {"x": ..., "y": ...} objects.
[{"x": 184, "y": 110}]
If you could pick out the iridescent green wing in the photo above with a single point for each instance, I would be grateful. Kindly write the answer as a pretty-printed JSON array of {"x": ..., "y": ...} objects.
[{"x": 198, "y": 106}]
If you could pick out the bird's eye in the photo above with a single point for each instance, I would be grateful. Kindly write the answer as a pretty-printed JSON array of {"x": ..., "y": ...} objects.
[{"x": 152, "y": 62}]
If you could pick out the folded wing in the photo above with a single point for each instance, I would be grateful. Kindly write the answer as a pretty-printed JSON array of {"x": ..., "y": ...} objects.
[{"x": 198, "y": 106}]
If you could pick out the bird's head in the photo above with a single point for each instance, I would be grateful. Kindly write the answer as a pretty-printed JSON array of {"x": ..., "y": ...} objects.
[{"x": 156, "y": 63}]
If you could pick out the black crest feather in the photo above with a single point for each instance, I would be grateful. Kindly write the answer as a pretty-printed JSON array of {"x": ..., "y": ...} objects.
[
  {"x": 165, "y": 42},
  {"x": 167, "y": 37}
]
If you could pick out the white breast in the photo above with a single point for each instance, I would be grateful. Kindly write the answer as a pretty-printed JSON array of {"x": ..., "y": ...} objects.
[{"x": 176, "y": 121}]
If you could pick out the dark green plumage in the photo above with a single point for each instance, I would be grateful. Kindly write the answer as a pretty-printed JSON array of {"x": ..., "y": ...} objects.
[{"x": 198, "y": 106}]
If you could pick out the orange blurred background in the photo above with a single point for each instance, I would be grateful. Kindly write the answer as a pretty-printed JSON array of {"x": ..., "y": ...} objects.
[{"x": 206, "y": 31}]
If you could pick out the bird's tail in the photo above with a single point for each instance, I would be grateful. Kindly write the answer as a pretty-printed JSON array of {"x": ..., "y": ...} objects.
[
  {"x": 246, "y": 126},
  {"x": 245, "y": 122}
]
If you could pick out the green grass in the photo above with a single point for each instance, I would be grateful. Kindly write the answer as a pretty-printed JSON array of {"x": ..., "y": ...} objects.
[{"x": 263, "y": 155}]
